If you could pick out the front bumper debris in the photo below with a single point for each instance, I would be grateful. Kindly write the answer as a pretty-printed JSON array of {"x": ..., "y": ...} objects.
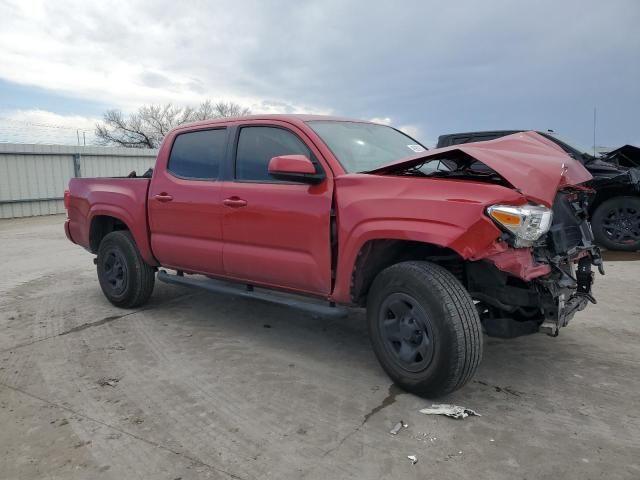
[
  {"x": 519, "y": 291},
  {"x": 512, "y": 306},
  {"x": 562, "y": 297}
]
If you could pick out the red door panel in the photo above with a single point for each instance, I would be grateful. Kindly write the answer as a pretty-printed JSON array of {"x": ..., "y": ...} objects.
[
  {"x": 185, "y": 201},
  {"x": 280, "y": 237},
  {"x": 276, "y": 233},
  {"x": 186, "y": 232}
]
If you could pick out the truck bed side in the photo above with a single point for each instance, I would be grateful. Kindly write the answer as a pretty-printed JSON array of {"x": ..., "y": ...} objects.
[{"x": 98, "y": 205}]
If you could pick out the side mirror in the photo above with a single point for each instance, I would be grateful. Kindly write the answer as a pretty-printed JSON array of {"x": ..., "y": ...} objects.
[{"x": 295, "y": 168}]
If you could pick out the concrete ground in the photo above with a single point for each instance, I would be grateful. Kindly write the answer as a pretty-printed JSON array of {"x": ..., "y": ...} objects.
[{"x": 199, "y": 385}]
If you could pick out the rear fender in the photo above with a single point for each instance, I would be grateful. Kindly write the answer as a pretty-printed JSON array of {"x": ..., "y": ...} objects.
[{"x": 138, "y": 232}]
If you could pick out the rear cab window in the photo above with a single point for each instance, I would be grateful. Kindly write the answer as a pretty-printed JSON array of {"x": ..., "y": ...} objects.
[{"x": 198, "y": 155}]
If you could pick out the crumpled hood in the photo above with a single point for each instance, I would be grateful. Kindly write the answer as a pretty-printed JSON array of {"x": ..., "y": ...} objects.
[{"x": 534, "y": 165}]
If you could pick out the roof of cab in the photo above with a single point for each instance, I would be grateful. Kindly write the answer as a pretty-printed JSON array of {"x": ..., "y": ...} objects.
[{"x": 293, "y": 118}]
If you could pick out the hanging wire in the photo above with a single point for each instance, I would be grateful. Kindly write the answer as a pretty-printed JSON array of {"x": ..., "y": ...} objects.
[{"x": 18, "y": 131}]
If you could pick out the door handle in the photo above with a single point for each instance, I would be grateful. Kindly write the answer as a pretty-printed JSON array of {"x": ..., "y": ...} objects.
[
  {"x": 234, "y": 202},
  {"x": 163, "y": 197}
]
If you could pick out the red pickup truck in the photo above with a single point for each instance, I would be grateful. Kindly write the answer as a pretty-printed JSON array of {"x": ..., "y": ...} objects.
[{"x": 324, "y": 213}]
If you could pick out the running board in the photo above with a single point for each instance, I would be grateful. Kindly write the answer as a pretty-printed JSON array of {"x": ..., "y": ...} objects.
[{"x": 311, "y": 306}]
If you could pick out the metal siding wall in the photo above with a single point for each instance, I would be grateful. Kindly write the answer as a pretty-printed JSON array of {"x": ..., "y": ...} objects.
[
  {"x": 31, "y": 172},
  {"x": 114, "y": 166}
]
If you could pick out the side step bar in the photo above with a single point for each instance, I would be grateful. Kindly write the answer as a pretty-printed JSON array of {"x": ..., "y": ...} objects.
[{"x": 300, "y": 303}]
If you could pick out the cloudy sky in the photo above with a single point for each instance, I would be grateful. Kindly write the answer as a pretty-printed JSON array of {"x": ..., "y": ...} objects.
[{"x": 430, "y": 67}]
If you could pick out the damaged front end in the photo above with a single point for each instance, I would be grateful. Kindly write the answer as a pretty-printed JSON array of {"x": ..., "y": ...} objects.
[
  {"x": 538, "y": 273},
  {"x": 539, "y": 288}
]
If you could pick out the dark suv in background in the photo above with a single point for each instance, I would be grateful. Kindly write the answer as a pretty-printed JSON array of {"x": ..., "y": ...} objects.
[{"x": 615, "y": 209}]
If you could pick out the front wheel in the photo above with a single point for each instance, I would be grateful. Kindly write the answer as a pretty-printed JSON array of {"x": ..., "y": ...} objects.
[
  {"x": 424, "y": 328},
  {"x": 126, "y": 280},
  {"x": 616, "y": 224}
]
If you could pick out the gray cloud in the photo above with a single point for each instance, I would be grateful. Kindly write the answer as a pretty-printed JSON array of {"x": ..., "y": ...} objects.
[
  {"x": 441, "y": 66},
  {"x": 156, "y": 80}
]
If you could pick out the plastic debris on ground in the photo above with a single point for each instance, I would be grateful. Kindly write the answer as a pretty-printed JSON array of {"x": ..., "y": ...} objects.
[
  {"x": 111, "y": 382},
  {"x": 413, "y": 459},
  {"x": 453, "y": 411},
  {"x": 397, "y": 427},
  {"x": 425, "y": 437}
]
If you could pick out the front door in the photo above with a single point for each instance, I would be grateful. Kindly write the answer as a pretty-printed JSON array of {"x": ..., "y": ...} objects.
[
  {"x": 185, "y": 203},
  {"x": 276, "y": 233}
]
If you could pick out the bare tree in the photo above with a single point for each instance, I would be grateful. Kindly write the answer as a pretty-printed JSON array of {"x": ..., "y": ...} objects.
[
  {"x": 146, "y": 127},
  {"x": 208, "y": 110}
]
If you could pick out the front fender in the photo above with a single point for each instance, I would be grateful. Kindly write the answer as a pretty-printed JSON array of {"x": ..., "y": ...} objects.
[
  {"x": 471, "y": 243},
  {"x": 441, "y": 212}
]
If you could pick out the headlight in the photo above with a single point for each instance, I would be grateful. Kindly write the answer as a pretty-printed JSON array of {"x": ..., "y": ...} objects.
[{"x": 528, "y": 222}]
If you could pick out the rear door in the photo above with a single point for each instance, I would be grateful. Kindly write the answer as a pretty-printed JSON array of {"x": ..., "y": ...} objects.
[
  {"x": 276, "y": 233},
  {"x": 185, "y": 202}
]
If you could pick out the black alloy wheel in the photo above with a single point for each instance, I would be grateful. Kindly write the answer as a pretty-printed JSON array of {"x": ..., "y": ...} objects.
[
  {"x": 424, "y": 328},
  {"x": 407, "y": 332},
  {"x": 622, "y": 225},
  {"x": 126, "y": 280},
  {"x": 616, "y": 224},
  {"x": 115, "y": 272}
]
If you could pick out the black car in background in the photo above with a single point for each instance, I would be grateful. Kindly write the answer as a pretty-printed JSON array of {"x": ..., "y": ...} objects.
[{"x": 615, "y": 209}]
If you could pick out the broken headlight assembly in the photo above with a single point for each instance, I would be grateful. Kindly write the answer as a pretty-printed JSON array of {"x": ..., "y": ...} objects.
[{"x": 527, "y": 222}]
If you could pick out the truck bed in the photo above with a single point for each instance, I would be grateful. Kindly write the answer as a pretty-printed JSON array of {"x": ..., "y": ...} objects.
[{"x": 122, "y": 198}]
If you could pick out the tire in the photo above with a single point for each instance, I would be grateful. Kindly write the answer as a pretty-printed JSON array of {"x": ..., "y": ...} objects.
[
  {"x": 421, "y": 306},
  {"x": 616, "y": 224},
  {"x": 126, "y": 280}
]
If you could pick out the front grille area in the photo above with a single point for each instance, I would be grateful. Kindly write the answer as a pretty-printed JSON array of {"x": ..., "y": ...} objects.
[
  {"x": 570, "y": 229},
  {"x": 563, "y": 239}
]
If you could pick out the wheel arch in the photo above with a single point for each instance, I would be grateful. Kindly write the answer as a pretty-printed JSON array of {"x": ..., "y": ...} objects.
[
  {"x": 101, "y": 226},
  {"x": 606, "y": 194},
  {"x": 469, "y": 239},
  {"x": 377, "y": 254},
  {"x": 105, "y": 219}
]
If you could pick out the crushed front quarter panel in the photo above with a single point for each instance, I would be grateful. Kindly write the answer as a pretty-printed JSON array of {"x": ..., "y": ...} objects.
[{"x": 520, "y": 263}]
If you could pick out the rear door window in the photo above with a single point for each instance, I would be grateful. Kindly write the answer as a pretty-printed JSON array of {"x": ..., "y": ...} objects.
[{"x": 198, "y": 155}]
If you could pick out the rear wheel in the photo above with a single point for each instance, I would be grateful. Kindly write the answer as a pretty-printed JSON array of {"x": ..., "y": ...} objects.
[
  {"x": 424, "y": 328},
  {"x": 616, "y": 224},
  {"x": 126, "y": 280}
]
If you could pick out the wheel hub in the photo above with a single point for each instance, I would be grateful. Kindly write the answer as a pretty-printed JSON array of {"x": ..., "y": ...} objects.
[
  {"x": 622, "y": 225},
  {"x": 115, "y": 271},
  {"x": 407, "y": 332}
]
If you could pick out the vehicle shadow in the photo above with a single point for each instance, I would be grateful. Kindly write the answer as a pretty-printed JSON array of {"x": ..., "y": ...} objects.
[{"x": 516, "y": 367}]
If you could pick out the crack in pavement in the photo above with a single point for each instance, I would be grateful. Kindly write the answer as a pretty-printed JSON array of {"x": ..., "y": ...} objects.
[
  {"x": 154, "y": 444},
  {"x": 390, "y": 399},
  {"x": 97, "y": 323},
  {"x": 507, "y": 390}
]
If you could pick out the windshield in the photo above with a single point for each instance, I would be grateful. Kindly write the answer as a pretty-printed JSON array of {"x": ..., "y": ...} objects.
[{"x": 361, "y": 147}]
